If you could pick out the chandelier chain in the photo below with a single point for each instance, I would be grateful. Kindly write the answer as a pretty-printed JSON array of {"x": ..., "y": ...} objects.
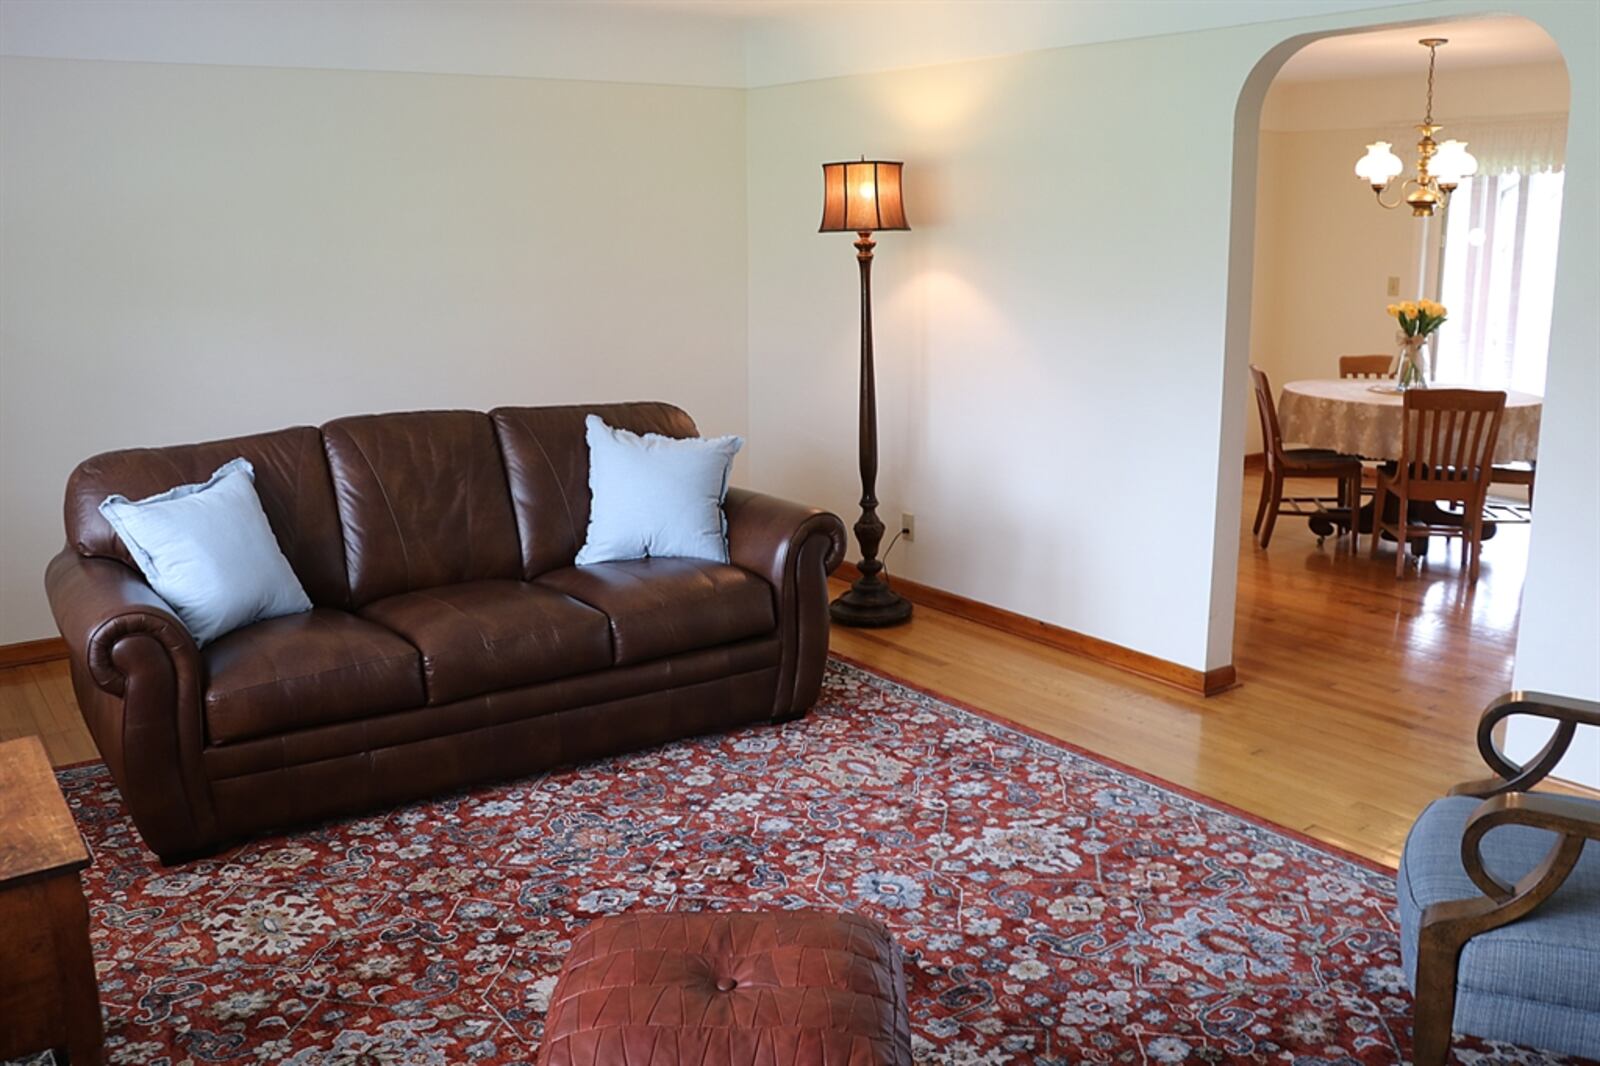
[{"x": 1433, "y": 55}]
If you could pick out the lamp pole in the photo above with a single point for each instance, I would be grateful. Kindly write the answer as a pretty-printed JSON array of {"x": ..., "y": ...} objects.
[{"x": 870, "y": 601}]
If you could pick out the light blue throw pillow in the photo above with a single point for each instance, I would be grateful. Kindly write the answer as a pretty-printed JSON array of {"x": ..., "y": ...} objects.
[
  {"x": 655, "y": 496},
  {"x": 208, "y": 550}
]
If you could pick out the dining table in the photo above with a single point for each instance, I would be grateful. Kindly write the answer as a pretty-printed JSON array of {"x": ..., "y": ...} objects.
[{"x": 1358, "y": 416}]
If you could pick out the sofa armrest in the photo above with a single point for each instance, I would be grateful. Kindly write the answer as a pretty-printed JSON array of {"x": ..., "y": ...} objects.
[
  {"x": 97, "y": 603},
  {"x": 765, "y": 534},
  {"x": 795, "y": 548},
  {"x": 138, "y": 678}
]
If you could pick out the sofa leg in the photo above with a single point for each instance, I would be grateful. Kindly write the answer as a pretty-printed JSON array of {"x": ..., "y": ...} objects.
[{"x": 205, "y": 851}]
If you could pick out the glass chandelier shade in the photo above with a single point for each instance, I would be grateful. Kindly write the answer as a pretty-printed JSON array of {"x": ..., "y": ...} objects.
[
  {"x": 1380, "y": 165},
  {"x": 1452, "y": 162},
  {"x": 1440, "y": 166}
]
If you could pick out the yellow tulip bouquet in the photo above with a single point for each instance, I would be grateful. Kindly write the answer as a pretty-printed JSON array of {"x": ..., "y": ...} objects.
[{"x": 1418, "y": 319}]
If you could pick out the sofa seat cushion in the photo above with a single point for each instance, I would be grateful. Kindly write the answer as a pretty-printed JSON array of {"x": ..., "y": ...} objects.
[
  {"x": 660, "y": 607},
  {"x": 305, "y": 670},
  {"x": 1531, "y": 982},
  {"x": 485, "y": 636}
]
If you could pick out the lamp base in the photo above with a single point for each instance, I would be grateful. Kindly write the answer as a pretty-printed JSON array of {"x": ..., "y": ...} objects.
[{"x": 870, "y": 604}]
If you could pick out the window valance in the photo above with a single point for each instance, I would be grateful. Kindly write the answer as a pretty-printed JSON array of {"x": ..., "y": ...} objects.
[{"x": 1527, "y": 144}]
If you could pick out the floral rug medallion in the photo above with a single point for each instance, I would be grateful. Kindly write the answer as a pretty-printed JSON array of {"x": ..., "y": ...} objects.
[{"x": 1055, "y": 910}]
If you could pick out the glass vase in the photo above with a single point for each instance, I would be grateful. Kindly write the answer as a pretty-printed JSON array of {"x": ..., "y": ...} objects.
[{"x": 1412, "y": 373}]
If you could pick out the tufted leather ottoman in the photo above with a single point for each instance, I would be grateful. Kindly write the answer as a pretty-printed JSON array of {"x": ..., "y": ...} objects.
[{"x": 789, "y": 988}]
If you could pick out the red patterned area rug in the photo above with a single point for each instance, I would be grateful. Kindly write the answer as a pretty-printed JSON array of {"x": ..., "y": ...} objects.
[{"x": 1055, "y": 910}]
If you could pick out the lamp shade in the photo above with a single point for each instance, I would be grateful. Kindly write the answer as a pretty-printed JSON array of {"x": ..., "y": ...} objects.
[
  {"x": 1379, "y": 166},
  {"x": 861, "y": 196},
  {"x": 1452, "y": 162}
]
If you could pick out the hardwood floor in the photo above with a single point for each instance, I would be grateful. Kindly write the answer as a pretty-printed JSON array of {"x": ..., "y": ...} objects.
[
  {"x": 1358, "y": 703},
  {"x": 36, "y": 700},
  {"x": 1359, "y": 694}
]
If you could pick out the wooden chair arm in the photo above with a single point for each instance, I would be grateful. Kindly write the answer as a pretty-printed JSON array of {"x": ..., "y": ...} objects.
[
  {"x": 1449, "y": 924},
  {"x": 1578, "y": 821},
  {"x": 1566, "y": 711}
]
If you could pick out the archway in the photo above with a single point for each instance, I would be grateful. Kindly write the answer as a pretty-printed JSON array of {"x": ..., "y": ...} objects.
[{"x": 1243, "y": 293}]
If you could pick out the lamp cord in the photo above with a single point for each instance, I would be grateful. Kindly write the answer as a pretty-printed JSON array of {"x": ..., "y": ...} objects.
[{"x": 885, "y": 557}]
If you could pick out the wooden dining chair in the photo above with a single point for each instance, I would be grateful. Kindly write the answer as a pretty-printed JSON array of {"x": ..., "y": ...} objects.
[
  {"x": 1366, "y": 366},
  {"x": 1284, "y": 462},
  {"x": 1447, "y": 441}
]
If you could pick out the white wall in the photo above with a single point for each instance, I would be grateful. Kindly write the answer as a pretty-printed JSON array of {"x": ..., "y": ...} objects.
[
  {"x": 585, "y": 40},
  {"x": 1325, "y": 251},
  {"x": 1062, "y": 339},
  {"x": 1048, "y": 311},
  {"x": 190, "y": 252},
  {"x": 791, "y": 42},
  {"x": 1062, "y": 400}
]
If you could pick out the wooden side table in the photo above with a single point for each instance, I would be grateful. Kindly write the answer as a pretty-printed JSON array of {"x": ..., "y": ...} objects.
[{"x": 48, "y": 996}]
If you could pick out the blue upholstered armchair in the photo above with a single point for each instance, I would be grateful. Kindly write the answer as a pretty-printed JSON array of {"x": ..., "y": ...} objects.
[{"x": 1500, "y": 901}]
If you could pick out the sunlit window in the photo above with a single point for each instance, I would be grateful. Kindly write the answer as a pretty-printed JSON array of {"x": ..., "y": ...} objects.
[{"x": 1499, "y": 280}]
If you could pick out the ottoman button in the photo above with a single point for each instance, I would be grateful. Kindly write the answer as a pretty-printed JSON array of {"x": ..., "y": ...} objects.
[{"x": 726, "y": 984}]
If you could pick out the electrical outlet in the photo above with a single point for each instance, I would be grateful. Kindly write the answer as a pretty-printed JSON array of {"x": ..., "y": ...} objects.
[
  {"x": 908, "y": 526},
  {"x": 1394, "y": 285}
]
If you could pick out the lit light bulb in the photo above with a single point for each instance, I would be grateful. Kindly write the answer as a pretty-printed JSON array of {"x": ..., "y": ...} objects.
[
  {"x": 1379, "y": 166},
  {"x": 867, "y": 190}
]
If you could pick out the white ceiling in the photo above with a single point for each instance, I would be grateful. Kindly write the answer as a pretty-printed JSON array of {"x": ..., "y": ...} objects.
[
  {"x": 1483, "y": 42},
  {"x": 730, "y": 43}
]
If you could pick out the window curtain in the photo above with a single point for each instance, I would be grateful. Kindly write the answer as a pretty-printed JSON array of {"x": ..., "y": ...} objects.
[{"x": 1499, "y": 264}]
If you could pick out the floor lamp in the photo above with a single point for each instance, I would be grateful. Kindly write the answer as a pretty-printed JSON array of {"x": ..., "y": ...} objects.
[{"x": 861, "y": 198}]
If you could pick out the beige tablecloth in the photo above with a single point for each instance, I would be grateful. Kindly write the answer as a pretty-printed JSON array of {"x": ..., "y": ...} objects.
[{"x": 1347, "y": 416}]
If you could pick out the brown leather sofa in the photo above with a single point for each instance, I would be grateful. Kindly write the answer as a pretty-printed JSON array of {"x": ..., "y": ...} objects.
[{"x": 451, "y": 641}]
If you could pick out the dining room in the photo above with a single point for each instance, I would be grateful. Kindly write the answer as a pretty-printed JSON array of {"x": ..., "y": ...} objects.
[
  {"x": 1408, "y": 206},
  {"x": 1408, "y": 202}
]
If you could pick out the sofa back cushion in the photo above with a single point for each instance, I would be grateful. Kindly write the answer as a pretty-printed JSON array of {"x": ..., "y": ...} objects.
[
  {"x": 547, "y": 461},
  {"x": 423, "y": 501},
  {"x": 291, "y": 478}
]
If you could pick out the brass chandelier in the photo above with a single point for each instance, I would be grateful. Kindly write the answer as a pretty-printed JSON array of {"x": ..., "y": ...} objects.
[{"x": 1440, "y": 166}]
